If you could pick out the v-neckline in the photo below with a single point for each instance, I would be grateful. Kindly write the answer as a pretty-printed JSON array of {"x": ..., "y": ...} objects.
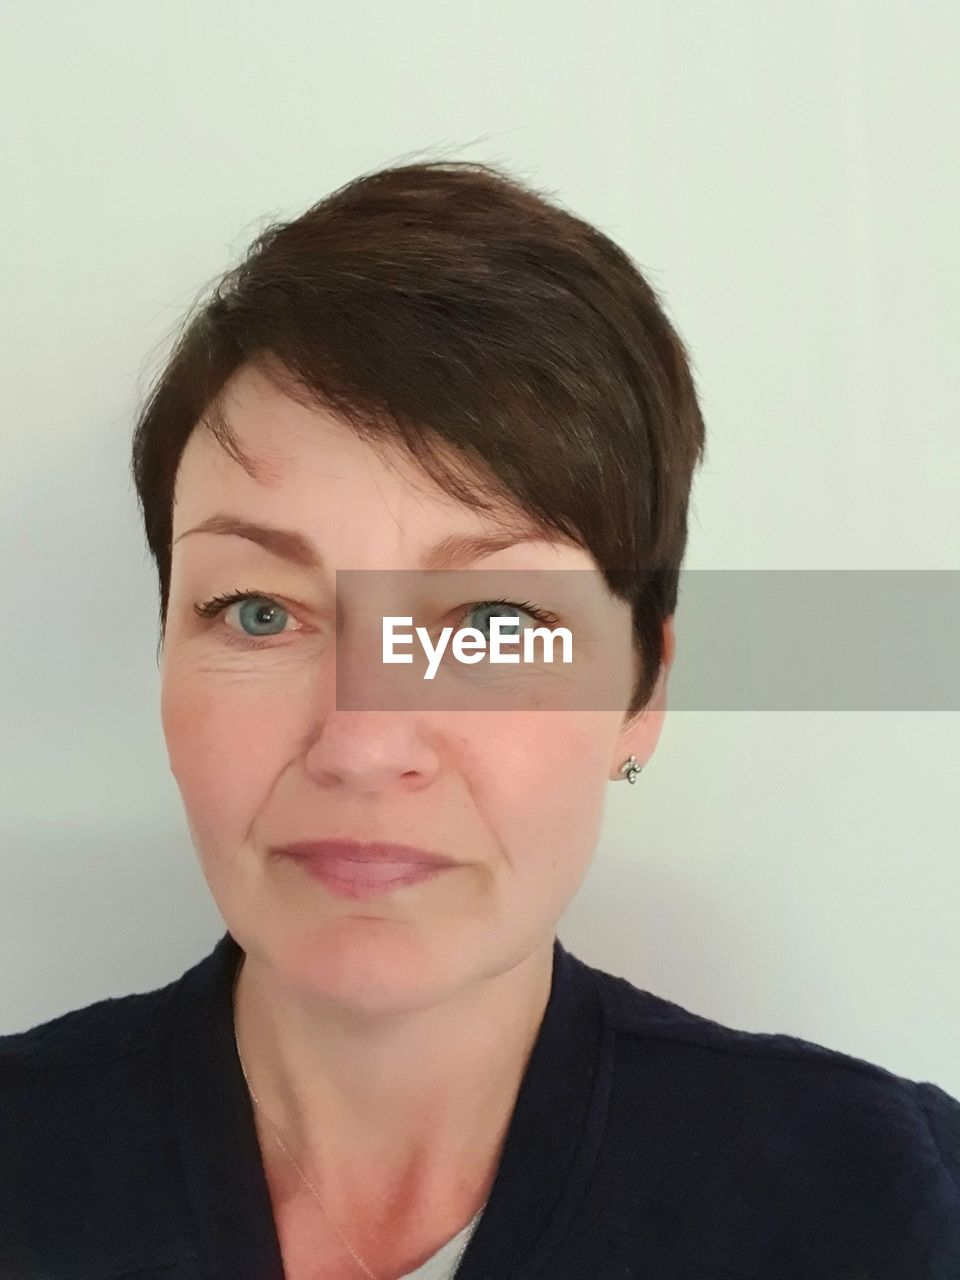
[{"x": 551, "y": 1141}]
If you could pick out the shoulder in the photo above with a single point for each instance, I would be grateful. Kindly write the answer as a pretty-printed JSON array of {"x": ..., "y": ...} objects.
[
  {"x": 109, "y": 1028},
  {"x": 839, "y": 1136},
  {"x": 85, "y": 1121},
  {"x": 801, "y": 1075},
  {"x": 84, "y": 1056},
  {"x": 639, "y": 1014}
]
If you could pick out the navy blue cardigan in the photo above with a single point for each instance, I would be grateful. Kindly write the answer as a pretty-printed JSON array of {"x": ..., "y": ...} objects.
[{"x": 647, "y": 1143}]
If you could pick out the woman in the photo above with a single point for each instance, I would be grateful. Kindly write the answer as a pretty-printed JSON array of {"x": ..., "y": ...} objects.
[{"x": 389, "y": 1066}]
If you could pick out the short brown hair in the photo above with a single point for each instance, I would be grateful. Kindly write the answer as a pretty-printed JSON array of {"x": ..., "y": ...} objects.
[{"x": 443, "y": 304}]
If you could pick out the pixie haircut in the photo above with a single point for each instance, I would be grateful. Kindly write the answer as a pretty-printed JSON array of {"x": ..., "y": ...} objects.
[{"x": 512, "y": 348}]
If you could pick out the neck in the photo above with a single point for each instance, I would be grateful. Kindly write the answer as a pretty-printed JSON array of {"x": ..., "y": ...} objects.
[{"x": 413, "y": 1107}]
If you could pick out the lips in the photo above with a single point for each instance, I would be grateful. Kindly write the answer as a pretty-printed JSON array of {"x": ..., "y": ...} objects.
[
  {"x": 365, "y": 870},
  {"x": 398, "y": 856}
]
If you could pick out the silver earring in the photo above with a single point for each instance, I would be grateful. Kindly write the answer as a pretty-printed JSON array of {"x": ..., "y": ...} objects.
[{"x": 631, "y": 769}]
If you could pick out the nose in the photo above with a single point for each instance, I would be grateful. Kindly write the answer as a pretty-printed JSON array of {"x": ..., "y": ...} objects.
[
  {"x": 372, "y": 751},
  {"x": 372, "y": 735}
]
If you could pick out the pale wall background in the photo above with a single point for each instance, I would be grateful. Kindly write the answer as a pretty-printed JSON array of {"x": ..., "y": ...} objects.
[{"x": 786, "y": 175}]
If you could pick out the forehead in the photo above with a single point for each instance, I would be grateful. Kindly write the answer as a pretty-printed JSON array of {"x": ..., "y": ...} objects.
[{"x": 311, "y": 469}]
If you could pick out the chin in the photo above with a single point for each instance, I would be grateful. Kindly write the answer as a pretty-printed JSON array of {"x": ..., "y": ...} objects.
[{"x": 371, "y": 964}]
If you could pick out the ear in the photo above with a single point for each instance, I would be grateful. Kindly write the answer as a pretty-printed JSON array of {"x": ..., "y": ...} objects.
[{"x": 640, "y": 734}]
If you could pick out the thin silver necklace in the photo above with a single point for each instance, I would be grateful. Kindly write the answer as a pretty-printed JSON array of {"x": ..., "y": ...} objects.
[{"x": 309, "y": 1185}]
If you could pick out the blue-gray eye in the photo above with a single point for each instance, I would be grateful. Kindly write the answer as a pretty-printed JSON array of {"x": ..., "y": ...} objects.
[
  {"x": 260, "y": 612},
  {"x": 495, "y": 609},
  {"x": 256, "y": 610}
]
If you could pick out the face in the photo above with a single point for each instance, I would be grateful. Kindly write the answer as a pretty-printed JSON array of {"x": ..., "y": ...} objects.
[{"x": 264, "y": 753}]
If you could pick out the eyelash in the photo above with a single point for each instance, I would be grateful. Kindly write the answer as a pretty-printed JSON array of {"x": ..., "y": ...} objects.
[{"x": 213, "y": 608}]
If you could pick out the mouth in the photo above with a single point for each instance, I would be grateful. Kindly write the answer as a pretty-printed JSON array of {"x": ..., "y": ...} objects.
[{"x": 364, "y": 870}]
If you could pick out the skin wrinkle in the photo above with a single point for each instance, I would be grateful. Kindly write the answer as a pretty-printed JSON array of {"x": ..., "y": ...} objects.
[{"x": 386, "y": 1038}]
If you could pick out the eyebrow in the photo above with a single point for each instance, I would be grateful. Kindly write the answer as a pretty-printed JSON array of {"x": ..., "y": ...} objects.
[{"x": 452, "y": 552}]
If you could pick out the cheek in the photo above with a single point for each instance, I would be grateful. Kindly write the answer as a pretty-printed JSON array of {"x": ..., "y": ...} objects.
[
  {"x": 224, "y": 751},
  {"x": 548, "y": 779}
]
